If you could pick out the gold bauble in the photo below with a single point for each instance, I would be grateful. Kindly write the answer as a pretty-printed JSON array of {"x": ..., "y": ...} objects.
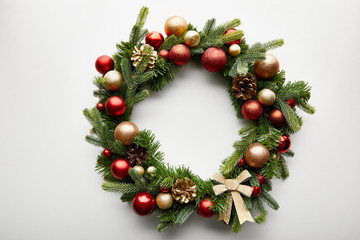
[
  {"x": 275, "y": 156},
  {"x": 139, "y": 169},
  {"x": 192, "y": 38},
  {"x": 234, "y": 50},
  {"x": 164, "y": 200},
  {"x": 267, "y": 68},
  {"x": 256, "y": 155},
  {"x": 150, "y": 170},
  {"x": 125, "y": 132},
  {"x": 175, "y": 25},
  {"x": 113, "y": 80},
  {"x": 266, "y": 97}
]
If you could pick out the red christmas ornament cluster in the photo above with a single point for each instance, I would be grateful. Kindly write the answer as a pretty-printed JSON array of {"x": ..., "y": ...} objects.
[
  {"x": 214, "y": 59},
  {"x": 261, "y": 179},
  {"x": 291, "y": 102},
  {"x": 115, "y": 106},
  {"x": 285, "y": 144},
  {"x": 164, "y": 54},
  {"x": 106, "y": 153},
  {"x": 204, "y": 208},
  {"x": 252, "y": 110},
  {"x": 179, "y": 54},
  {"x": 242, "y": 162},
  {"x": 233, "y": 42},
  {"x": 100, "y": 106},
  {"x": 256, "y": 191},
  {"x": 154, "y": 39},
  {"x": 164, "y": 189},
  {"x": 120, "y": 168},
  {"x": 277, "y": 118},
  {"x": 143, "y": 204},
  {"x": 104, "y": 64}
]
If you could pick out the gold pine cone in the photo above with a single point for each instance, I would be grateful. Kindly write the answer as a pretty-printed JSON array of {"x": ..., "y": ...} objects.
[
  {"x": 138, "y": 54},
  {"x": 245, "y": 87},
  {"x": 184, "y": 190}
]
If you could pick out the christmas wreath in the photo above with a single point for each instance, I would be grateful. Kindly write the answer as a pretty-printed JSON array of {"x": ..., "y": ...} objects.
[{"x": 131, "y": 162}]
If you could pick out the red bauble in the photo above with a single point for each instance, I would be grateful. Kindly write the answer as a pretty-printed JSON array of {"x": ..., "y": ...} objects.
[
  {"x": 106, "y": 153},
  {"x": 256, "y": 191},
  {"x": 261, "y": 179},
  {"x": 179, "y": 54},
  {"x": 143, "y": 204},
  {"x": 214, "y": 59},
  {"x": 120, "y": 168},
  {"x": 234, "y": 42},
  {"x": 100, "y": 106},
  {"x": 204, "y": 208},
  {"x": 154, "y": 39},
  {"x": 164, "y": 54},
  {"x": 164, "y": 189},
  {"x": 285, "y": 144},
  {"x": 104, "y": 64},
  {"x": 241, "y": 162},
  {"x": 252, "y": 110},
  {"x": 277, "y": 118},
  {"x": 115, "y": 106},
  {"x": 291, "y": 102}
]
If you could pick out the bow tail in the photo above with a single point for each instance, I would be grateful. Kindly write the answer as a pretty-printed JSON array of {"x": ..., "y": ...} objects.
[
  {"x": 242, "y": 212},
  {"x": 225, "y": 216}
]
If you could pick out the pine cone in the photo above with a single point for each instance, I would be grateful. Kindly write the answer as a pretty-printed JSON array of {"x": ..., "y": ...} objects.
[
  {"x": 137, "y": 155},
  {"x": 184, "y": 190},
  {"x": 138, "y": 56},
  {"x": 244, "y": 88}
]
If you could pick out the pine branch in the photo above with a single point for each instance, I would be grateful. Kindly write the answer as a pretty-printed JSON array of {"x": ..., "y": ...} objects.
[
  {"x": 184, "y": 214},
  {"x": 125, "y": 188},
  {"x": 137, "y": 32},
  {"x": 293, "y": 120},
  {"x": 140, "y": 182},
  {"x": 266, "y": 197}
]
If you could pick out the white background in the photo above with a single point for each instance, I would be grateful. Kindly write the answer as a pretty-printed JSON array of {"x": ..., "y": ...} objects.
[{"x": 48, "y": 187}]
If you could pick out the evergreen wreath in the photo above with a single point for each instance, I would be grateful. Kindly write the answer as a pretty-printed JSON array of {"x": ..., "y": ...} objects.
[{"x": 132, "y": 163}]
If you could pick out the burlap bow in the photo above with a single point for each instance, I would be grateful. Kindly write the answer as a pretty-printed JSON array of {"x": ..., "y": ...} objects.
[{"x": 235, "y": 187}]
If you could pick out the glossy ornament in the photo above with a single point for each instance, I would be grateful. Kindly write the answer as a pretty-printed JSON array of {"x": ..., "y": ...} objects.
[
  {"x": 233, "y": 42},
  {"x": 266, "y": 97},
  {"x": 242, "y": 162},
  {"x": 256, "y": 191},
  {"x": 164, "y": 54},
  {"x": 285, "y": 144},
  {"x": 204, "y": 208},
  {"x": 252, "y": 110},
  {"x": 139, "y": 169},
  {"x": 143, "y": 204},
  {"x": 256, "y": 155},
  {"x": 234, "y": 50},
  {"x": 267, "y": 68},
  {"x": 113, "y": 80},
  {"x": 100, "y": 106},
  {"x": 164, "y": 189},
  {"x": 179, "y": 54},
  {"x": 106, "y": 153},
  {"x": 104, "y": 63},
  {"x": 150, "y": 170},
  {"x": 291, "y": 102},
  {"x": 120, "y": 168},
  {"x": 154, "y": 39},
  {"x": 125, "y": 132},
  {"x": 164, "y": 200},
  {"x": 175, "y": 25},
  {"x": 115, "y": 106},
  {"x": 214, "y": 59},
  {"x": 277, "y": 118},
  {"x": 192, "y": 38},
  {"x": 261, "y": 179}
]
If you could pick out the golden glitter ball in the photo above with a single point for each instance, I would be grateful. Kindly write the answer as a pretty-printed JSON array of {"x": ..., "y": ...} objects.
[
  {"x": 266, "y": 97},
  {"x": 267, "y": 68},
  {"x": 192, "y": 38},
  {"x": 150, "y": 170},
  {"x": 125, "y": 132},
  {"x": 164, "y": 200},
  {"x": 113, "y": 80},
  {"x": 234, "y": 50},
  {"x": 256, "y": 155},
  {"x": 139, "y": 169},
  {"x": 175, "y": 25}
]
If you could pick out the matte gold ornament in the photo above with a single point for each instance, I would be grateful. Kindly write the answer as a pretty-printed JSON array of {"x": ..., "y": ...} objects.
[
  {"x": 125, "y": 132},
  {"x": 113, "y": 80},
  {"x": 184, "y": 190},
  {"x": 192, "y": 38},
  {"x": 139, "y": 169},
  {"x": 234, "y": 50},
  {"x": 150, "y": 170},
  {"x": 256, "y": 155},
  {"x": 175, "y": 25},
  {"x": 267, "y": 68},
  {"x": 164, "y": 200},
  {"x": 266, "y": 97}
]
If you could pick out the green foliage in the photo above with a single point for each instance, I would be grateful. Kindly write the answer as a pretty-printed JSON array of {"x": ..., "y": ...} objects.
[{"x": 137, "y": 33}]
